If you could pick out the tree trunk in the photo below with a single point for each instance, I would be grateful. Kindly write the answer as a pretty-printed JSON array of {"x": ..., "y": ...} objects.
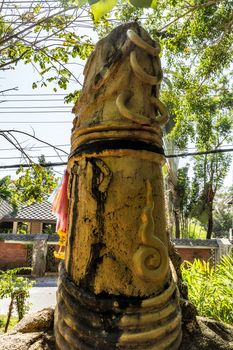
[
  {"x": 177, "y": 223},
  {"x": 210, "y": 200},
  {"x": 117, "y": 288},
  {"x": 210, "y": 221},
  {"x": 9, "y": 314}
]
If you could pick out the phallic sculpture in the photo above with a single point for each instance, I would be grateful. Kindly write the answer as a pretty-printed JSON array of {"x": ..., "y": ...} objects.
[{"x": 117, "y": 285}]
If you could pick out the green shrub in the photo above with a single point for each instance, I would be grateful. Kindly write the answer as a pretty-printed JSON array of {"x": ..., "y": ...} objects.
[
  {"x": 17, "y": 288},
  {"x": 211, "y": 289},
  {"x": 194, "y": 230},
  {"x": 3, "y": 321}
]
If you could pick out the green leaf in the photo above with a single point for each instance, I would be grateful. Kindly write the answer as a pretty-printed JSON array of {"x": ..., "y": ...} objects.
[
  {"x": 141, "y": 3},
  {"x": 100, "y": 7},
  {"x": 82, "y": 2},
  {"x": 154, "y": 4}
]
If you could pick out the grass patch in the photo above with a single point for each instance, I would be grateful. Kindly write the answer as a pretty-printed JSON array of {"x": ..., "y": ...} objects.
[{"x": 3, "y": 319}]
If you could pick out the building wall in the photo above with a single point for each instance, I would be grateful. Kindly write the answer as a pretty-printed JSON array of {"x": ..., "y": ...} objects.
[
  {"x": 12, "y": 255},
  {"x": 195, "y": 253},
  {"x": 36, "y": 227}
]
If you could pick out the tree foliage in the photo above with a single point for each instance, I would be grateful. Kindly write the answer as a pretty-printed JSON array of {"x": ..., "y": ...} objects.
[
  {"x": 34, "y": 184},
  {"x": 6, "y": 188},
  {"x": 223, "y": 213},
  {"x": 196, "y": 39},
  {"x": 185, "y": 193},
  {"x": 209, "y": 174},
  {"x": 45, "y": 35}
]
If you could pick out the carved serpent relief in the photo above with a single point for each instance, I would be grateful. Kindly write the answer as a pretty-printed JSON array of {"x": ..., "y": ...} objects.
[
  {"x": 117, "y": 287},
  {"x": 150, "y": 261}
]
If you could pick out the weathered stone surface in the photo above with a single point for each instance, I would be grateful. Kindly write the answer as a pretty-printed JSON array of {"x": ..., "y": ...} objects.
[
  {"x": 205, "y": 334},
  {"x": 27, "y": 341},
  {"x": 34, "y": 332},
  {"x": 117, "y": 243},
  {"x": 37, "y": 322},
  {"x": 208, "y": 335},
  {"x": 117, "y": 239}
]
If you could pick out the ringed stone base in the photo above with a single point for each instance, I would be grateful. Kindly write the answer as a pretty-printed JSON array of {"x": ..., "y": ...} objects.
[{"x": 86, "y": 321}]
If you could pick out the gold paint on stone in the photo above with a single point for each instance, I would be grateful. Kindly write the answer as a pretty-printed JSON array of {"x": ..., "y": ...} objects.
[
  {"x": 152, "y": 334},
  {"x": 117, "y": 242},
  {"x": 150, "y": 261},
  {"x": 123, "y": 134},
  {"x": 149, "y": 318}
]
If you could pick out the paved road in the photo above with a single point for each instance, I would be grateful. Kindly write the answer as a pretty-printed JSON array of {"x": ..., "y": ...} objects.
[{"x": 42, "y": 295}]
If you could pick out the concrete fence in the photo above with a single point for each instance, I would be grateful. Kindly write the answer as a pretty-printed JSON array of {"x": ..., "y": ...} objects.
[
  {"x": 32, "y": 250},
  {"x": 36, "y": 251}
]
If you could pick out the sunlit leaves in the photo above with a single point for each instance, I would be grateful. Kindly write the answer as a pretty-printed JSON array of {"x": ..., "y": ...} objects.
[
  {"x": 15, "y": 287},
  {"x": 72, "y": 97},
  {"x": 5, "y": 188},
  {"x": 223, "y": 214},
  {"x": 34, "y": 184},
  {"x": 141, "y": 3},
  {"x": 101, "y": 7}
]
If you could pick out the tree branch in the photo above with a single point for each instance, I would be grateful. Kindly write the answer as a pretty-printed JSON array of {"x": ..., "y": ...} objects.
[
  {"x": 15, "y": 60},
  {"x": 44, "y": 20},
  {"x": 34, "y": 137},
  {"x": 15, "y": 89},
  {"x": 191, "y": 9}
]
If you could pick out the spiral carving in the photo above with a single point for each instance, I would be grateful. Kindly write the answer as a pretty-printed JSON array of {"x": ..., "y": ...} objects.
[{"x": 150, "y": 261}]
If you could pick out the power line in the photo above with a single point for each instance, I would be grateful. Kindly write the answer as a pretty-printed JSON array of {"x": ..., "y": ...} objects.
[
  {"x": 167, "y": 156},
  {"x": 36, "y": 100},
  {"x": 37, "y": 122},
  {"x": 29, "y": 8},
  {"x": 9, "y": 135},
  {"x": 34, "y": 107},
  {"x": 29, "y": 165},
  {"x": 55, "y": 94},
  {"x": 74, "y": 25},
  {"x": 35, "y": 157},
  {"x": 28, "y": 148},
  {"x": 180, "y": 155},
  {"x": 29, "y": 2},
  {"x": 34, "y": 112}
]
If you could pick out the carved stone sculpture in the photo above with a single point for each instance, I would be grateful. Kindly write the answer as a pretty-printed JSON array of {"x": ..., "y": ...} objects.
[{"x": 117, "y": 286}]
